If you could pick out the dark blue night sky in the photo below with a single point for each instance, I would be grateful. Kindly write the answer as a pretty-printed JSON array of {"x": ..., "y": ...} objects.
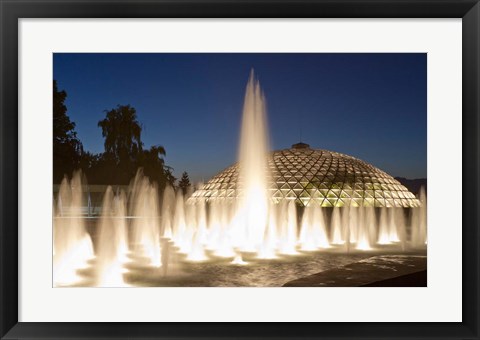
[{"x": 371, "y": 106}]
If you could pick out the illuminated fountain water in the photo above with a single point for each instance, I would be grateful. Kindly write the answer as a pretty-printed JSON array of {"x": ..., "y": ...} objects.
[
  {"x": 363, "y": 237},
  {"x": 72, "y": 245},
  {"x": 142, "y": 230},
  {"x": 383, "y": 233},
  {"x": 269, "y": 246},
  {"x": 313, "y": 233},
  {"x": 288, "y": 227},
  {"x": 252, "y": 211},
  {"x": 198, "y": 225},
  {"x": 337, "y": 227},
  {"x": 168, "y": 208},
  {"x": 144, "y": 206},
  {"x": 352, "y": 224},
  {"x": 419, "y": 219},
  {"x": 112, "y": 245}
]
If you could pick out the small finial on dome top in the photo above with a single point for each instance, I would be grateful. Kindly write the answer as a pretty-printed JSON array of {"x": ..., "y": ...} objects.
[{"x": 301, "y": 146}]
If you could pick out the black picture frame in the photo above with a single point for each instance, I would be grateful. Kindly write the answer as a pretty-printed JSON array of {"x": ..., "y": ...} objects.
[{"x": 11, "y": 11}]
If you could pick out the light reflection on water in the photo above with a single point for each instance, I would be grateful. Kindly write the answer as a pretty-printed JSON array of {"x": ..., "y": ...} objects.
[
  {"x": 220, "y": 272},
  {"x": 257, "y": 273}
]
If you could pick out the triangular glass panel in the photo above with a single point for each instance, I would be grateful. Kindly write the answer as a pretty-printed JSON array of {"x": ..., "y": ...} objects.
[
  {"x": 326, "y": 203},
  {"x": 298, "y": 186},
  {"x": 277, "y": 194},
  {"x": 290, "y": 194},
  {"x": 305, "y": 193},
  {"x": 333, "y": 201}
]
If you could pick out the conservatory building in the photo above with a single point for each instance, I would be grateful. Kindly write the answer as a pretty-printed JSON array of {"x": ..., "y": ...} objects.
[{"x": 314, "y": 176}]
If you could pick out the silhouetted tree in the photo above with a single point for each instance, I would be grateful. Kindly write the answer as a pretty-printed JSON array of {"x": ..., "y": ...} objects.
[
  {"x": 184, "y": 182},
  {"x": 169, "y": 176},
  {"x": 153, "y": 164},
  {"x": 67, "y": 148},
  {"x": 154, "y": 167},
  {"x": 122, "y": 131},
  {"x": 123, "y": 145},
  {"x": 91, "y": 164},
  {"x": 124, "y": 152}
]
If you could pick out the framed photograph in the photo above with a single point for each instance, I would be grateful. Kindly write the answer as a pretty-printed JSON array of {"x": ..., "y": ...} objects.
[{"x": 239, "y": 169}]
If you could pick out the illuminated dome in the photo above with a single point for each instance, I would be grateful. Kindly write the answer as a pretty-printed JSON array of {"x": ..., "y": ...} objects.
[{"x": 313, "y": 176}]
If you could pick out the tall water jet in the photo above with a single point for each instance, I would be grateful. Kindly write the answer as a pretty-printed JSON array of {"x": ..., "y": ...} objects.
[
  {"x": 393, "y": 228},
  {"x": 72, "y": 244},
  {"x": 146, "y": 224},
  {"x": 320, "y": 233},
  {"x": 269, "y": 246},
  {"x": 121, "y": 237},
  {"x": 400, "y": 222},
  {"x": 253, "y": 165},
  {"x": 371, "y": 225},
  {"x": 307, "y": 230},
  {"x": 190, "y": 227},
  {"x": 226, "y": 241},
  {"x": 383, "y": 234},
  {"x": 288, "y": 228},
  {"x": 353, "y": 223},
  {"x": 168, "y": 207},
  {"x": 179, "y": 236},
  {"x": 214, "y": 220},
  {"x": 363, "y": 237},
  {"x": 337, "y": 227},
  {"x": 199, "y": 238},
  {"x": 313, "y": 232},
  {"x": 419, "y": 221},
  {"x": 219, "y": 229},
  {"x": 346, "y": 227},
  {"x": 201, "y": 220},
  {"x": 112, "y": 244}
]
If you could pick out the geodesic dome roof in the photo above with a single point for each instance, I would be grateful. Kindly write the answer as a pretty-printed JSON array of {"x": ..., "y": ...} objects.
[{"x": 313, "y": 176}]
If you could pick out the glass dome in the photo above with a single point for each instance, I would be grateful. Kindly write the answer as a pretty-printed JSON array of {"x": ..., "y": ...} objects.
[{"x": 314, "y": 176}]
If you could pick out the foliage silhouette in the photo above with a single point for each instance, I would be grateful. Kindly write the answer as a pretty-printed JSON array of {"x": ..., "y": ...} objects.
[
  {"x": 67, "y": 148},
  {"x": 184, "y": 183},
  {"x": 154, "y": 166},
  {"x": 124, "y": 150},
  {"x": 121, "y": 131}
]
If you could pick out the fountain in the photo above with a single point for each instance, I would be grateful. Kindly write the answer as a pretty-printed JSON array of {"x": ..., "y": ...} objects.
[
  {"x": 337, "y": 227},
  {"x": 142, "y": 231},
  {"x": 112, "y": 241},
  {"x": 419, "y": 218},
  {"x": 144, "y": 205},
  {"x": 72, "y": 245},
  {"x": 253, "y": 206}
]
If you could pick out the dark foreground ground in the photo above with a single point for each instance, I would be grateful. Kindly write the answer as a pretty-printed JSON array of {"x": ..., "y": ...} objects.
[{"x": 376, "y": 271}]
